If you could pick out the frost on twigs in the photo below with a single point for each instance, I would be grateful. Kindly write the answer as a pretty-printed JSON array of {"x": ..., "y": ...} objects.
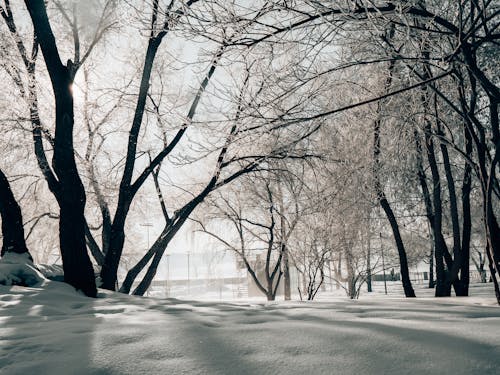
[{"x": 18, "y": 269}]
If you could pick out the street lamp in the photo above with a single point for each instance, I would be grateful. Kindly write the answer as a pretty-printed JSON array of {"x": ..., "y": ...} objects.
[
  {"x": 167, "y": 286},
  {"x": 147, "y": 225},
  {"x": 188, "y": 280},
  {"x": 383, "y": 262}
]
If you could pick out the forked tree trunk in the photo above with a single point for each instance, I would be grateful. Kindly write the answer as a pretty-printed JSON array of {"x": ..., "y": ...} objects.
[
  {"x": 69, "y": 192},
  {"x": 109, "y": 271},
  {"x": 443, "y": 285}
]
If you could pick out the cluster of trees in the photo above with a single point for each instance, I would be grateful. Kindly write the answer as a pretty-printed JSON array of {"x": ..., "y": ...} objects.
[{"x": 313, "y": 129}]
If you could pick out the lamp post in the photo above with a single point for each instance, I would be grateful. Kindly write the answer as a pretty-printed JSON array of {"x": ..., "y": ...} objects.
[
  {"x": 147, "y": 225},
  {"x": 189, "y": 275},
  {"x": 383, "y": 262},
  {"x": 167, "y": 286}
]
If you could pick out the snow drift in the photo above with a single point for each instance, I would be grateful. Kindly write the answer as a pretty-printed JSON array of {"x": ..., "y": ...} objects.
[
  {"x": 18, "y": 269},
  {"x": 51, "y": 329}
]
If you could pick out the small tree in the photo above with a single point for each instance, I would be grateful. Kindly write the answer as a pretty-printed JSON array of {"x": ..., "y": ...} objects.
[{"x": 255, "y": 218}]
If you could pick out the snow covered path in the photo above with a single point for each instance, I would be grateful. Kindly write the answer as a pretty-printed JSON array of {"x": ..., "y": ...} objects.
[{"x": 52, "y": 330}]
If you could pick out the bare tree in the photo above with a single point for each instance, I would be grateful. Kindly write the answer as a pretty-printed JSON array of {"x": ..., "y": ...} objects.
[
  {"x": 255, "y": 218},
  {"x": 66, "y": 183}
]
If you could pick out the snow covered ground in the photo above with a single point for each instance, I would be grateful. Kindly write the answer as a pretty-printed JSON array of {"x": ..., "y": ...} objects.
[{"x": 53, "y": 330}]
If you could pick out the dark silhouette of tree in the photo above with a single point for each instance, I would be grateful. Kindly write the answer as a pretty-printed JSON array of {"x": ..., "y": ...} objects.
[
  {"x": 12, "y": 220},
  {"x": 66, "y": 183}
]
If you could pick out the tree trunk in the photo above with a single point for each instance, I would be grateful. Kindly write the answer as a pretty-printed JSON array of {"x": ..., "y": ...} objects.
[
  {"x": 453, "y": 274},
  {"x": 157, "y": 250},
  {"x": 109, "y": 271},
  {"x": 12, "y": 221},
  {"x": 286, "y": 274},
  {"x": 78, "y": 270},
  {"x": 379, "y": 189},
  {"x": 403, "y": 261},
  {"x": 443, "y": 285},
  {"x": 466, "y": 218},
  {"x": 431, "y": 263},
  {"x": 368, "y": 267},
  {"x": 422, "y": 178},
  {"x": 160, "y": 246}
]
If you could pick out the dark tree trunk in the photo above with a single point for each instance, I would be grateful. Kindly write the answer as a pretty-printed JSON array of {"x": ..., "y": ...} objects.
[
  {"x": 403, "y": 261},
  {"x": 70, "y": 194},
  {"x": 12, "y": 221},
  {"x": 78, "y": 270},
  {"x": 112, "y": 258},
  {"x": 453, "y": 274},
  {"x": 466, "y": 218},
  {"x": 422, "y": 178},
  {"x": 379, "y": 189},
  {"x": 384, "y": 203},
  {"x": 127, "y": 188},
  {"x": 109, "y": 270},
  {"x": 443, "y": 285},
  {"x": 461, "y": 286},
  {"x": 443, "y": 281},
  {"x": 369, "y": 267},
  {"x": 487, "y": 174},
  {"x": 286, "y": 274},
  {"x": 158, "y": 249},
  {"x": 431, "y": 264}
]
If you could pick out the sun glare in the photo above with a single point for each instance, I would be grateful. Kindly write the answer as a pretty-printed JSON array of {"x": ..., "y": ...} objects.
[{"x": 77, "y": 92}]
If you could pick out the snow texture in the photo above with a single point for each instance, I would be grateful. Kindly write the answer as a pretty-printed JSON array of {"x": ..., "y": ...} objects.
[
  {"x": 18, "y": 269},
  {"x": 53, "y": 330},
  {"x": 51, "y": 271}
]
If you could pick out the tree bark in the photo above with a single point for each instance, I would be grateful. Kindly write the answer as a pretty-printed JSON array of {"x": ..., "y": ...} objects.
[{"x": 12, "y": 220}]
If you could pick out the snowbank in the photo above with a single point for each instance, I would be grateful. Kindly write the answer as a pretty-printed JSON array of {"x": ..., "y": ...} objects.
[
  {"x": 18, "y": 269},
  {"x": 51, "y": 271},
  {"x": 54, "y": 330}
]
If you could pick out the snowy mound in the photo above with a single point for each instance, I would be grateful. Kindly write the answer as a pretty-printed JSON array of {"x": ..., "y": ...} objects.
[
  {"x": 55, "y": 330},
  {"x": 18, "y": 269},
  {"x": 51, "y": 271}
]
